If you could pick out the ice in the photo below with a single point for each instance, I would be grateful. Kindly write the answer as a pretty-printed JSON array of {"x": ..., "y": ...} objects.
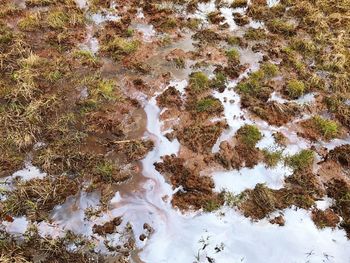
[
  {"x": 18, "y": 226},
  {"x": 28, "y": 173},
  {"x": 237, "y": 181}
]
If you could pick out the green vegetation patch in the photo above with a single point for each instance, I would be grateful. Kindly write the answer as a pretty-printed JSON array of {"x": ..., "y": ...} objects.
[
  {"x": 209, "y": 105},
  {"x": 301, "y": 160},
  {"x": 328, "y": 128},
  {"x": 249, "y": 135},
  {"x": 199, "y": 82},
  {"x": 295, "y": 88}
]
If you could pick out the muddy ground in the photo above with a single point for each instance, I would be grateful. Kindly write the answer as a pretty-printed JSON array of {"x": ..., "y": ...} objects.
[{"x": 78, "y": 78}]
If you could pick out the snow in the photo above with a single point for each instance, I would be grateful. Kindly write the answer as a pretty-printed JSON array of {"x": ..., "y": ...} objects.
[
  {"x": 29, "y": 172},
  {"x": 18, "y": 226},
  {"x": 236, "y": 181}
]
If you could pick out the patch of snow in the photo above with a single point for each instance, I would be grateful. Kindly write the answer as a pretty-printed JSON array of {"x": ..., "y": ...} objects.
[
  {"x": 325, "y": 203},
  {"x": 29, "y": 172},
  {"x": 237, "y": 181},
  {"x": 276, "y": 97},
  {"x": 306, "y": 99},
  {"x": 18, "y": 226},
  {"x": 99, "y": 18}
]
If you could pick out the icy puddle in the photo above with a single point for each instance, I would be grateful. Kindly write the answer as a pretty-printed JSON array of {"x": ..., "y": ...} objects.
[{"x": 226, "y": 235}]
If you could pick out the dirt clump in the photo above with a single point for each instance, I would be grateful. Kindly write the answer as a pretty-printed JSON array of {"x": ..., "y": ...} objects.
[
  {"x": 108, "y": 227},
  {"x": 195, "y": 191},
  {"x": 326, "y": 218},
  {"x": 200, "y": 137}
]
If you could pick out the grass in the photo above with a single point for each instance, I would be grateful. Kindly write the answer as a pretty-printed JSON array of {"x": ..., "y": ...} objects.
[
  {"x": 249, "y": 135},
  {"x": 272, "y": 158},
  {"x": 280, "y": 26},
  {"x": 233, "y": 55},
  {"x": 301, "y": 160},
  {"x": 328, "y": 128},
  {"x": 255, "y": 34},
  {"x": 219, "y": 82},
  {"x": 106, "y": 170},
  {"x": 86, "y": 56},
  {"x": 211, "y": 205},
  {"x": 120, "y": 47},
  {"x": 36, "y": 198},
  {"x": 30, "y": 22},
  {"x": 270, "y": 70},
  {"x": 199, "y": 82},
  {"x": 233, "y": 40},
  {"x": 57, "y": 20},
  {"x": 295, "y": 88},
  {"x": 209, "y": 105}
]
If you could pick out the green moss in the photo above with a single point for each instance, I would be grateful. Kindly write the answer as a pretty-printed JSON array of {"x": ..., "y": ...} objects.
[
  {"x": 295, "y": 88},
  {"x": 328, "y": 128},
  {"x": 232, "y": 55},
  {"x": 249, "y": 135},
  {"x": 272, "y": 157},
  {"x": 301, "y": 160},
  {"x": 209, "y": 104},
  {"x": 199, "y": 82}
]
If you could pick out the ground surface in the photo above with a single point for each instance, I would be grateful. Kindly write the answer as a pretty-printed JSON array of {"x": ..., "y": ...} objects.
[{"x": 174, "y": 131}]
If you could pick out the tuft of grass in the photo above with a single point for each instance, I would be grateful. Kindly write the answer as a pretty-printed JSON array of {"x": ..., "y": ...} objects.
[
  {"x": 301, "y": 160},
  {"x": 86, "y": 57},
  {"x": 280, "y": 26},
  {"x": 57, "y": 20},
  {"x": 219, "y": 82},
  {"x": 199, "y": 82},
  {"x": 270, "y": 70},
  {"x": 255, "y": 34},
  {"x": 193, "y": 23},
  {"x": 232, "y": 55},
  {"x": 106, "y": 170},
  {"x": 295, "y": 88},
  {"x": 233, "y": 200},
  {"x": 170, "y": 23},
  {"x": 30, "y": 22},
  {"x": 209, "y": 104},
  {"x": 120, "y": 47},
  {"x": 249, "y": 135},
  {"x": 328, "y": 128},
  {"x": 106, "y": 89},
  {"x": 233, "y": 40},
  {"x": 211, "y": 205},
  {"x": 272, "y": 157}
]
